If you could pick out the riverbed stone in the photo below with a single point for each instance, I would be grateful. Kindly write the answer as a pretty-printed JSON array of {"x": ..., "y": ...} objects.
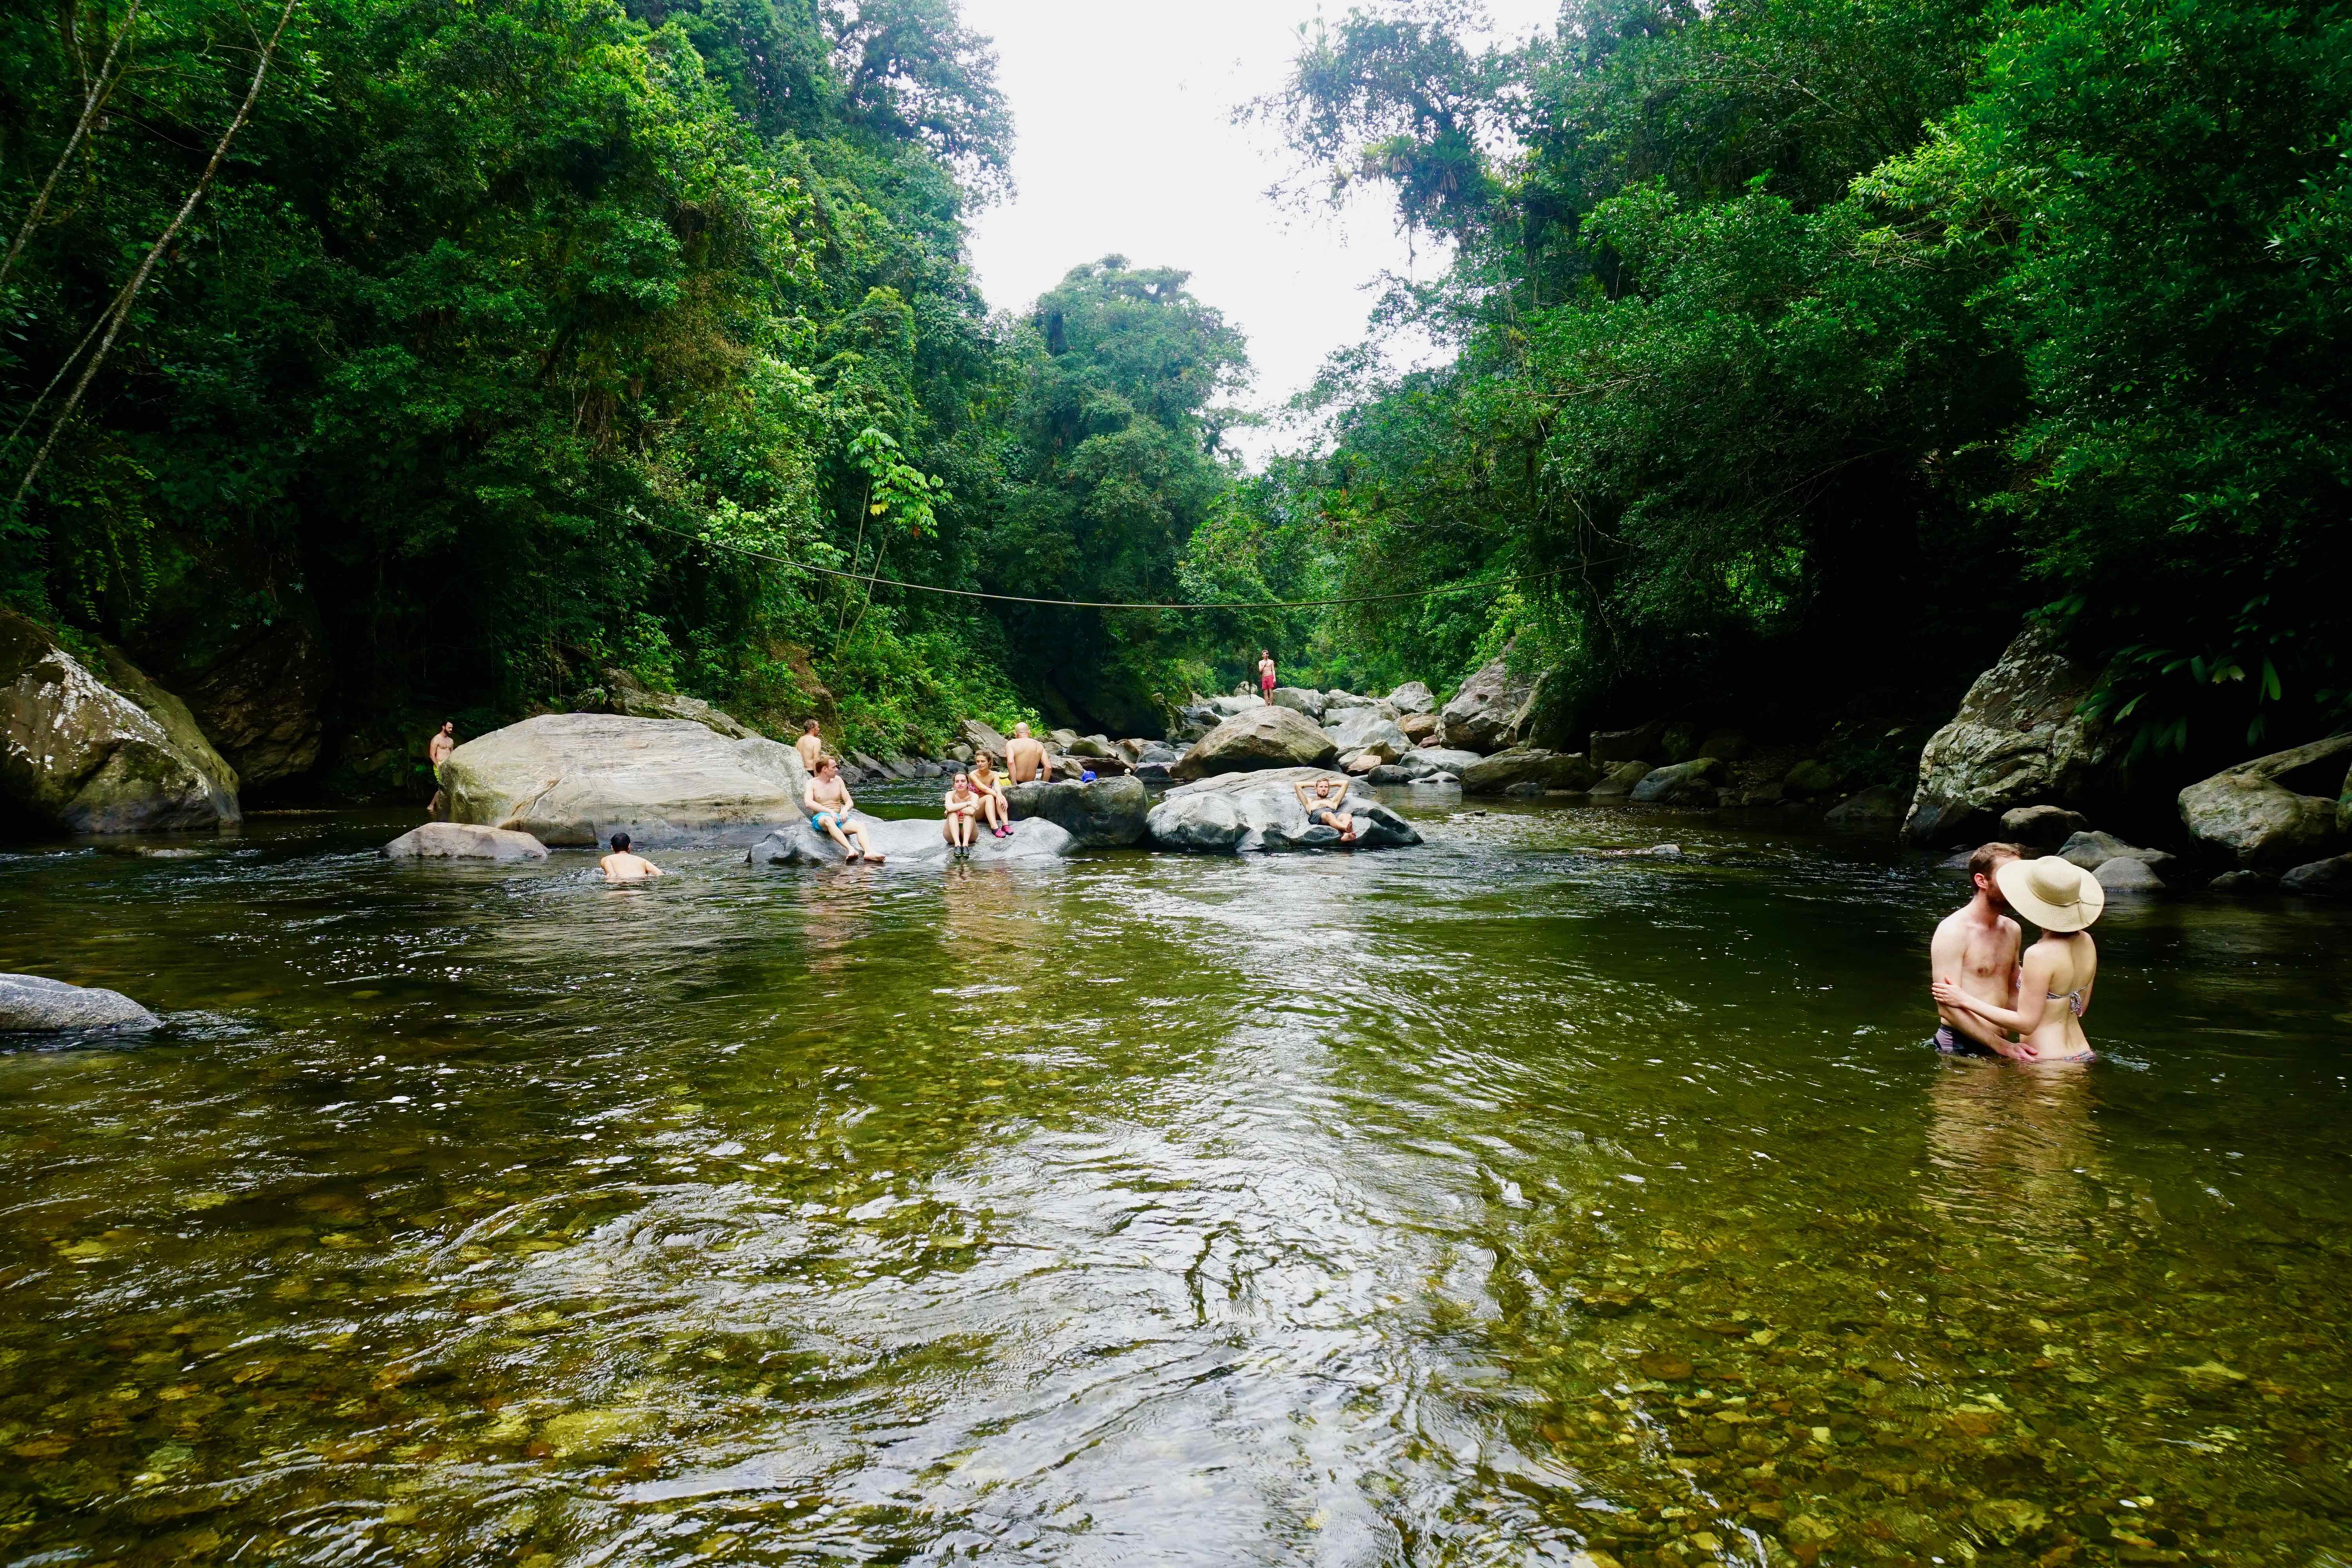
[
  {"x": 1238, "y": 702},
  {"x": 1631, "y": 745},
  {"x": 1810, "y": 779},
  {"x": 1357, "y": 728},
  {"x": 463, "y": 841},
  {"x": 2126, "y": 874},
  {"x": 117, "y": 754},
  {"x": 1868, "y": 808},
  {"x": 1618, "y": 782},
  {"x": 1106, "y": 813},
  {"x": 1446, "y": 759},
  {"x": 2328, "y": 878},
  {"x": 30, "y": 1003},
  {"x": 1694, "y": 782},
  {"x": 2091, "y": 850},
  {"x": 1499, "y": 773},
  {"x": 914, "y": 841},
  {"x": 2043, "y": 827},
  {"x": 1260, "y": 737},
  {"x": 2018, "y": 739},
  {"x": 1413, "y": 699},
  {"x": 1201, "y": 818},
  {"x": 1421, "y": 728},
  {"x": 578, "y": 778},
  {"x": 2242, "y": 882},
  {"x": 1479, "y": 717},
  {"x": 1299, "y": 700},
  {"x": 2253, "y": 815}
]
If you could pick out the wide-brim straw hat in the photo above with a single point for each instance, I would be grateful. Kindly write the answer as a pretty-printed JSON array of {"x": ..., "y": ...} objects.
[{"x": 2054, "y": 894}]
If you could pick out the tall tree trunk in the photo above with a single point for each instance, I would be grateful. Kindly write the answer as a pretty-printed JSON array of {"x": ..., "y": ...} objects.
[{"x": 93, "y": 100}]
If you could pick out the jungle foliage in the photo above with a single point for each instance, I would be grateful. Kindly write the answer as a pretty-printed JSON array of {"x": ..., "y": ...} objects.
[{"x": 1812, "y": 342}]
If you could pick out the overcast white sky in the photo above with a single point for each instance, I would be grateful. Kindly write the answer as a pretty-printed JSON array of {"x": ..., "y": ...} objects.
[{"x": 1122, "y": 112}]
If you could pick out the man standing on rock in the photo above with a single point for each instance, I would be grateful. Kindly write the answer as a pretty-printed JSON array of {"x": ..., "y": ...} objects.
[
  {"x": 829, "y": 807},
  {"x": 436, "y": 751},
  {"x": 1024, "y": 757},
  {"x": 1979, "y": 943},
  {"x": 811, "y": 745},
  {"x": 1265, "y": 675}
]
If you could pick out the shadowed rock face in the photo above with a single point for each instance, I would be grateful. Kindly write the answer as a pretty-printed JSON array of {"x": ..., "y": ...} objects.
[
  {"x": 1107, "y": 812},
  {"x": 2016, "y": 741},
  {"x": 81, "y": 753},
  {"x": 578, "y": 778},
  {"x": 1256, "y": 738},
  {"x": 1261, "y": 811},
  {"x": 1524, "y": 765},
  {"x": 258, "y": 700},
  {"x": 918, "y": 841},
  {"x": 2250, "y": 814},
  {"x": 34, "y": 1002}
]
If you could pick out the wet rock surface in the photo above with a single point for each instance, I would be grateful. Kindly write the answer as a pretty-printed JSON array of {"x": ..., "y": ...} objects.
[
  {"x": 2017, "y": 740},
  {"x": 1107, "y": 813},
  {"x": 463, "y": 841},
  {"x": 2252, "y": 815},
  {"x": 1258, "y": 737},
  {"x": 35, "y": 1004},
  {"x": 1240, "y": 814}
]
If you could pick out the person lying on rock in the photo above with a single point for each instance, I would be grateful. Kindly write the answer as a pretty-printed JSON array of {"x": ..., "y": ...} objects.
[
  {"x": 829, "y": 806},
  {"x": 811, "y": 745},
  {"x": 1024, "y": 756},
  {"x": 1323, "y": 807},
  {"x": 621, "y": 866},
  {"x": 963, "y": 824},
  {"x": 994, "y": 809}
]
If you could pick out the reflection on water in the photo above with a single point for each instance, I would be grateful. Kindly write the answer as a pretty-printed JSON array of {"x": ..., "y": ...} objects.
[{"x": 1497, "y": 1202}]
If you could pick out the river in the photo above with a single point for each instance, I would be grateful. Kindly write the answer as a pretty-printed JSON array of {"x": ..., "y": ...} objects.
[{"x": 1493, "y": 1201}]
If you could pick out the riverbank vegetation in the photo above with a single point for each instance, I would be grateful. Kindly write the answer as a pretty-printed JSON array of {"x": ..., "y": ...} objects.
[{"x": 1795, "y": 348}]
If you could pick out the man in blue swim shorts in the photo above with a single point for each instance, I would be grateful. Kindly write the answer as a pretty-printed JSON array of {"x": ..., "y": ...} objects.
[{"x": 829, "y": 806}]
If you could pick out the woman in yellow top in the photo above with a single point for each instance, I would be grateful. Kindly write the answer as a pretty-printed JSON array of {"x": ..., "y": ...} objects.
[
  {"x": 992, "y": 804},
  {"x": 2054, "y": 989}
]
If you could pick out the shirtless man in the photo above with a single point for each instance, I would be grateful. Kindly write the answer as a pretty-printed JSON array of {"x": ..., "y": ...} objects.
[
  {"x": 1977, "y": 945},
  {"x": 1025, "y": 758},
  {"x": 963, "y": 824},
  {"x": 829, "y": 807},
  {"x": 994, "y": 807},
  {"x": 621, "y": 866},
  {"x": 436, "y": 751},
  {"x": 811, "y": 745},
  {"x": 1323, "y": 808},
  {"x": 1265, "y": 675}
]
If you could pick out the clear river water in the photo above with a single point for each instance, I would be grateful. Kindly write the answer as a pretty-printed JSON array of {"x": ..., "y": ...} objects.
[{"x": 1498, "y": 1202}]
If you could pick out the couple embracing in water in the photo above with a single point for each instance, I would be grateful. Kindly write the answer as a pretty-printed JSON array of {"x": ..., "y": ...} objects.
[{"x": 1993, "y": 1002}]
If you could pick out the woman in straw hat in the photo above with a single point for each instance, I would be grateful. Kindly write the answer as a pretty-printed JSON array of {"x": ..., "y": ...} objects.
[{"x": 2062, "y": 900}]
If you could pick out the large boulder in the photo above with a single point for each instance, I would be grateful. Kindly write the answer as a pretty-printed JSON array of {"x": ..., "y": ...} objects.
[
  {"x": 91, "y": 755},
  {"x": 2092, "y": 850},
  {"x": 1628, "y": 746},
  {"x": 577, "y": 778},
  {"x": 1870, "y": 808},
  {"x": 978, "y": 737},
  {"x": 1107, "y": 812},
  {"x": 1240, "y": 812},
  {"x": 463, "y": 841},
  {"x": 1259, "y": 737},
  {"x": 1523, "y": 765},
  {"x": 1480, "y": 716},
  {"x": 2017, "y": 740},
  {"x": 1618, "y": 782},
  {"x": 2123, "y": 874},
  {"x": 1412, "y": 697},
  {"x": 624, "y": 694},
  {"x": 1357, "y": 728},
  {"x": 1300, "y": 700},
  {"x": 1239, "y": 702},
  {"x": 2043, "y": 827},
  {"x": 2330, "y": 878},
  {"x": 1694, "y": 782},
  {"x": 2253, "y": 814},
  {"x": 915, "y": 841},
  {"x": 1421, "y": 728},
  {"x": 1442, "y": 759},
  {"x": 30, "y": 1002}
]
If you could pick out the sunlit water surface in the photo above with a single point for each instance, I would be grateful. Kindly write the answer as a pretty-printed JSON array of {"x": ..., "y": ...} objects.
[{"x": 1488, "y": 1203}]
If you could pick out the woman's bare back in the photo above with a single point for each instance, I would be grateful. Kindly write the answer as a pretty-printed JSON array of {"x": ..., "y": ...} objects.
[{"x": 2061, "y": 970}]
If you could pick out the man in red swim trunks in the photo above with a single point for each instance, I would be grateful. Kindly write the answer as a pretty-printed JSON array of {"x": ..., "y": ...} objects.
[{"x": 1265, "y": 675}]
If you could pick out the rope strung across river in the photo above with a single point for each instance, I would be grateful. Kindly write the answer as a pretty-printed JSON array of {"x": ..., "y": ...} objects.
[{"x": 1111, "y": 603}]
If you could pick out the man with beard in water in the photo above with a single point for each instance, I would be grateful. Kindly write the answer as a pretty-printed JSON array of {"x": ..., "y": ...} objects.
[{"x": 1978, "y": 943}]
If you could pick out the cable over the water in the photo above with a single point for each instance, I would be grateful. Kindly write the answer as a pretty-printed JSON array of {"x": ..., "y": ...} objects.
[{"x": 1110, "y": 604}]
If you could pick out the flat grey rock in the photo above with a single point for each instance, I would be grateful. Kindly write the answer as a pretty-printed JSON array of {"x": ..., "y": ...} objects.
[
  {"x": 35, "y": 1002},
  {"x": 2093, "y": 850},
  {"x": 2123, "y": 874},
  {"x": 463, "y": 841},
  {"x": 1244, "y": 812},
  {"x": 917, "y": 841}
]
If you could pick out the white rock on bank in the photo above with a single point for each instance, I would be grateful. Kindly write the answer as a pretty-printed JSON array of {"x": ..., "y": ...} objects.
[
  {"x": 578, "y": 778},
  {"x": 463, "y": 841}
]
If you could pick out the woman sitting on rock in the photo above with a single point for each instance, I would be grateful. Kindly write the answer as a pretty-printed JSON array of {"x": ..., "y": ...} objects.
[
  {"x": 1323, "y": 807},
  {"x": 2055, "y": 990},
  {"x": 994, "y": 807},
  {"x": 962, "y": 825}
]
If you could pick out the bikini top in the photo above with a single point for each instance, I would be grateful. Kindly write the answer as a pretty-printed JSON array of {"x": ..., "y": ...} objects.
[{"x": 2073, "y": 999}]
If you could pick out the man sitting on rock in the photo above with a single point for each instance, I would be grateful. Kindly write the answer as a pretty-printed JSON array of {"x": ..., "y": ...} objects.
[
  {"x": 811, "y": 745},
  {"x": 1978, "y": 943},
  {"x": 1323, "y": 807},
  {"x": 621, "y": 866},
  {"x": 994, "y": 807},
  {"x": 963, "y": 824},
  {"x": 829, "y": 807},
  {"x": 1024, "y": 757}
]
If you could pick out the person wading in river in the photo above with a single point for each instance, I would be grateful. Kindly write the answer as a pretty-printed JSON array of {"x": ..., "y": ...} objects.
[
  {"x": 829, "y": 806},
  {"x": 621, "y": 866},
  {"x": 1977, "y": 944},
  {"x": 436, "y": 751},
  {"x": 1024, "y": 757},
  {"x": 2054, "y": 986},
  {"x": 811, "y": 745}
]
